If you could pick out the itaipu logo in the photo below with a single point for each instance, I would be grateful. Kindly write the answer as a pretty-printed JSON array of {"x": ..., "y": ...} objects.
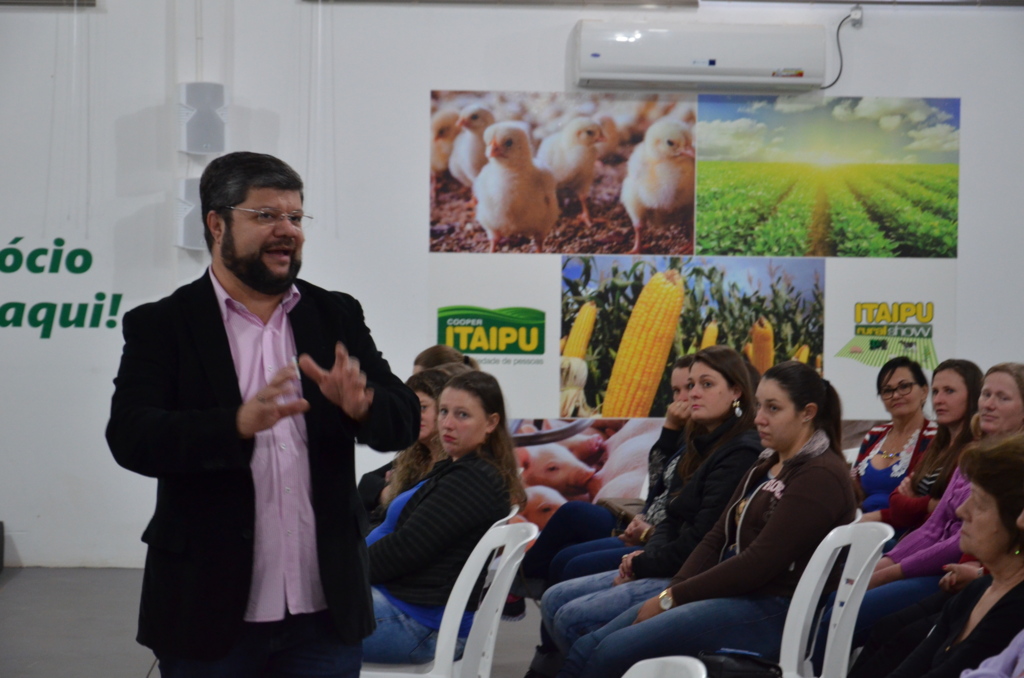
[
  {"x": 473, "y": 329},
  {"x": 884, "y": 330}
]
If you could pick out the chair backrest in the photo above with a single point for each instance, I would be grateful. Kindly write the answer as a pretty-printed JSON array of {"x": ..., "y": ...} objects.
[
  {"x": 495, "y": 563},
  {"x": 512, "y": 540},
  {"x": 668, "y": 667},
  {"x": 850, "y": 454},
  {"x": 865, "y": 541},
  {"x": 511, "y": 514},
  {"x": 645, "y": 487}
]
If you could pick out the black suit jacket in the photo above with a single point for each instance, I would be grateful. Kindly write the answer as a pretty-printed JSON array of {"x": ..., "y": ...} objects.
[{"x": 173, "y": 418}]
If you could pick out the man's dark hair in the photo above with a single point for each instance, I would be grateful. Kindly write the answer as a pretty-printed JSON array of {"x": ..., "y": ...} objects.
[{"x": 226, "y": 182}]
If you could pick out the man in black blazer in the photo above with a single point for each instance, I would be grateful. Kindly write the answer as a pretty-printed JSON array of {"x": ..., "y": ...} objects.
[{"x": 256, "y": 561}]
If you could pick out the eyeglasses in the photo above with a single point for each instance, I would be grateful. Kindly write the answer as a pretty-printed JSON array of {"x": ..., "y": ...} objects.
[
  {"x": 271, "y": 217},
  {"x": 902, "y": 388}
]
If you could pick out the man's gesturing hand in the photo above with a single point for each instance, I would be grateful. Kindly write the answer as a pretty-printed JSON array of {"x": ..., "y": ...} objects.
[
  {"x": 344, "y": 385},
  {"x": 264, "y": 410}
]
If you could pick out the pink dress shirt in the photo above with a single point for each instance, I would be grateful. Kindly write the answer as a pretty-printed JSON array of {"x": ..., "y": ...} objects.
[{"x": 285, "y": 572}]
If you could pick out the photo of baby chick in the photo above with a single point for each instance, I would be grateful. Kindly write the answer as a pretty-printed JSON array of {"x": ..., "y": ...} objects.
[
  {"x": 585, "y": 143},
  {"x": 513, "y": 196},
  {"x": 468, "y": 156},
  {"x": 659, "y": 184},
  {"x": 571, "y": 156},
  {"x": 443, "y": 128}
]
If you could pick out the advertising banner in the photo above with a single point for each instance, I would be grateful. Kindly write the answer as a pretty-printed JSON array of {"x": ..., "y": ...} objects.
[{"x": 646, "y": 227}]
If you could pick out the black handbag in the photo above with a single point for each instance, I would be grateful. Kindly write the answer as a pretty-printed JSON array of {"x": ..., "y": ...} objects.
[{"x": 738, "y": 664}]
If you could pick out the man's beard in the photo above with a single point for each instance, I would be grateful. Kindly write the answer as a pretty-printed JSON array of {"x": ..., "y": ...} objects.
[{"x": 251, "y": 270}]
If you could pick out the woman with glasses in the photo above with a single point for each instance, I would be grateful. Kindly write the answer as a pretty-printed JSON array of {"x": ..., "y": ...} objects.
[
  {"x": 983, "y": 618},
  {"x": 956, "y": 387},
  {"x": 889, "y": 451},
  {"x": 911, "y": 571}
]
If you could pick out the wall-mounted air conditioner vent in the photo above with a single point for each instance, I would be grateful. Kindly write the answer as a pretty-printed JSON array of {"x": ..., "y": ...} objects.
[{"x": 617, "y": 54}]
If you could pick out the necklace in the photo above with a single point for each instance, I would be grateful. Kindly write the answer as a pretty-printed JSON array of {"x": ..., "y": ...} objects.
[
  {"x": 897, "y": 462},
  {"x": 910, "y": 441},
  {"x": 894, "y": 441}
]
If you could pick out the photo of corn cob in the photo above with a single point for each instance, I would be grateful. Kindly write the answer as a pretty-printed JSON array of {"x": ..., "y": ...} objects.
[
  {"x": 582, "y": 327},
  {"x": 628, "y": 319},
  {"x": 646, "y": 343}
]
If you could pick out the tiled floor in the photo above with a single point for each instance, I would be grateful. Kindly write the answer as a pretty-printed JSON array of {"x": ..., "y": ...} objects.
[{"x": 64, "y": 623}]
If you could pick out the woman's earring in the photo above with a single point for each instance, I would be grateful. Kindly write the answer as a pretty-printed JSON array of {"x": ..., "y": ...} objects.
[{"x": 736, "y": 408}]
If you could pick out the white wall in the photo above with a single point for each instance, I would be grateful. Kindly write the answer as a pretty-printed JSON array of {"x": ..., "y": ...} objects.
[{"x": 87, "y": 112}]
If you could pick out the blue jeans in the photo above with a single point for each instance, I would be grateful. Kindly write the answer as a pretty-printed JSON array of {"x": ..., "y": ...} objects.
[
  {"x": 574, "y": 522},
  {"x": 581, "y": 560},
  {"x": 751, "y": 623},
  {"x": 299, "y": 645},
  {"x": 577, "y": 607},
  {"x": 878, "y": 602},
  {"x": 400, "y": 639}
]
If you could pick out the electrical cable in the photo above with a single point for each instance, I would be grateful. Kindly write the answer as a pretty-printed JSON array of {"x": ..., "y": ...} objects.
[
  {"x": 199, "y": 40},
  {"x": 839, "y": 46}
]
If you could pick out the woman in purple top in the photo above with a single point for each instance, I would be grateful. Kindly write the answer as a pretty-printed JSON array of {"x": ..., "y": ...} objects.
[
  {"x": 980, "y": 620},
  {"x": 924, "y": 551},
  {"x": 1007, "y": 664},
  {"x": 912, "y": 569}
]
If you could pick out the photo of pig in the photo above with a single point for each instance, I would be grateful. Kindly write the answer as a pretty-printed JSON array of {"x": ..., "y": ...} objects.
[
  {"x": 564, "y": 460},
  {"x": 554, "y": 466},
  {"x": 541, "y": 504}
]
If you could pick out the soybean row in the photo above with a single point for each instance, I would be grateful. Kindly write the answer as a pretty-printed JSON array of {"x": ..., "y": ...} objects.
[{"x": 793, "y": 209}]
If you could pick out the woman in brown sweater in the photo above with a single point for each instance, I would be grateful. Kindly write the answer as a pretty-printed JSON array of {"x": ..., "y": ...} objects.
[{"x": 734, "y": 589}]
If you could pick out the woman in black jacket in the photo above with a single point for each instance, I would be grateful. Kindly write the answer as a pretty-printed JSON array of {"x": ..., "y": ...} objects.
[
  {"x": 720, "y": 446},
  {"x": 576, "y": 541},
  {"x": 417, "y": 553}
]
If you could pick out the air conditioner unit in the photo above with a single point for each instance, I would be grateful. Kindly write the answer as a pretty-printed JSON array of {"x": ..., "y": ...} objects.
[{"x": 616, "y": 54}]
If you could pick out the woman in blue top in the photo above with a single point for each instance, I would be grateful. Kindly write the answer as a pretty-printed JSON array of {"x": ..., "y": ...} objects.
[
  {"x": 890, "y": 450},
  {"x": 417, "y": 553}
]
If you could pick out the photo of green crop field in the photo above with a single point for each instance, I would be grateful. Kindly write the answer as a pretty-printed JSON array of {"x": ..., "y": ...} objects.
[{"x": 840, "y": 177}]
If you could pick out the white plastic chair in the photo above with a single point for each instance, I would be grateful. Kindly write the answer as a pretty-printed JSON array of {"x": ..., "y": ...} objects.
[
  {"x": 668, "y": 667},
  {"x": 479, "y": 650},
  {"x": 511, "y": 514},
  {"x": 850, "y": 454},
  {"x": 865, "y": 541},
  {"x": 492, "y": 568}
]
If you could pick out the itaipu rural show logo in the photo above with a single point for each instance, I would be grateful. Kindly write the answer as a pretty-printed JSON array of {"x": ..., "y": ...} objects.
[
  {"x": 472, "y": 329},
  {"x": 884, "y": 330}
]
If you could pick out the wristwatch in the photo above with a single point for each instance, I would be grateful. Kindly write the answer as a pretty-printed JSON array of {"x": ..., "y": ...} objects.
[{"x": 665, "y": 600}]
